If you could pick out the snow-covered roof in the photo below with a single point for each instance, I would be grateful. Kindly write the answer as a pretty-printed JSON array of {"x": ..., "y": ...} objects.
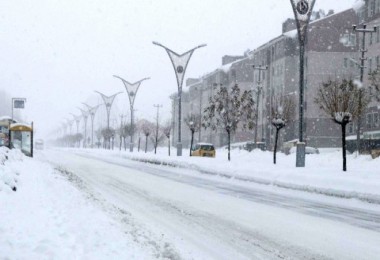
[
  {"x": 204, "y": 144},
  {"x": 352, "y": 137},
  {"x": 293, "y": 33},
  {"x": 5, "y": 118},
  {"x": 358, "y": 5},
  {"x": 20, "y": 127},
  {"x": 226, "y": 68}
]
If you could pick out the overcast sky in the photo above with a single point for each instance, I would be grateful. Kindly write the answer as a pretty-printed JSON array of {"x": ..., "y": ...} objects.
[{"x": 56, "y": 53}]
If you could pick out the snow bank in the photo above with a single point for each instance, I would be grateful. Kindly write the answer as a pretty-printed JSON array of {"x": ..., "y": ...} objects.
[
  {"x": 323, "y": 172},
  {"x": 9, "y": 172},
  {"x": 48, "y": 218}
]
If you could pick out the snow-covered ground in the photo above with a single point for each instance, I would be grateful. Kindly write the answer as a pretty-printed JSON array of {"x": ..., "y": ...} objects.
[
  {"x": 322, "y": 174},
  {"x": 99, "y": 204},
  {"x": 48, "y": 218}
]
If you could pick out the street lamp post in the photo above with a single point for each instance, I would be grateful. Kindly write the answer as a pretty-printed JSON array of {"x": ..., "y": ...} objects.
[
  {"x": 85, "y": 116},
  {"x": 158, "y": 113},
  {"x": 70, "y": 124},
  {"x": 132, "y": 89},
  {"x": 92, "y": 112},
  {"x": 260, "y": 68},
  {"x": 77, "y": 121},
  {"x": 363, "y": 50},
  {"x": 108, "y": 101},
  {"x": 179, "y": 62},
  {"x": 302, "y": 11}
]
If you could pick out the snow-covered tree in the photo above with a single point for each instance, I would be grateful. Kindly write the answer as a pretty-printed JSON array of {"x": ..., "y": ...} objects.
[
  {"x": 166, "y": 129},
  {"x": 283, "y": 108},
  {"x": 98, "y": 134},
  {"x": 127, "y": 130},
  {"x": 147, "y": 128},
  {"x": 108, "y": 134},
  {"x": 193, "y": 122},
  {"x": 341, "y": 101},
  {"x": 374, "y": 78},
  {"x": 229, "y": 110}
]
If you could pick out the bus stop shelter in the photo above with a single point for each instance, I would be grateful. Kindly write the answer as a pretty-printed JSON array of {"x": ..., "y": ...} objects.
[{"x": 21, "y": 137}]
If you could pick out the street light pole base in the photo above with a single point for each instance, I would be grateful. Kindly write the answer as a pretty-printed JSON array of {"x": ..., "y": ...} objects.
[
  {"x": 300, "y": 159},
  {"x": 179, "y": 149}
]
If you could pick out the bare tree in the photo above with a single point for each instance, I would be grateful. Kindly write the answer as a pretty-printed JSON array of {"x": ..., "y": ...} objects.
[
  {"x": 229, "y": 110},
  {"x": 283, "y": 109},
  {"x": 194, "y": 123},
  {"x": 166, "y": 129},
  {"x": 341, "y": 101},
  {"x": 147, "y": 128},
  {"x": 127, "y": 131},
  {"x": 108, "y": 134},
  {"x": 98, "y": 134},
  {"x": 157, "y": 138}
]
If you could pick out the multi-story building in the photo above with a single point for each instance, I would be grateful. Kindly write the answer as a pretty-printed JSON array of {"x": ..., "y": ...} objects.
[
  {"x": 331, "y": 44},
  {"x": 331, "y": 51},
  {"x": 369, "y": 14}
]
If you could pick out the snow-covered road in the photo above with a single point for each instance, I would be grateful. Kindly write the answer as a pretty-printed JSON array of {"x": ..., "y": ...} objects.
[{"x": 183, "y": 214}]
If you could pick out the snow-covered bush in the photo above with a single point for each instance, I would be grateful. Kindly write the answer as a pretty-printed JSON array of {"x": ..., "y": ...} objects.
[{"x": 8, "y": 173}]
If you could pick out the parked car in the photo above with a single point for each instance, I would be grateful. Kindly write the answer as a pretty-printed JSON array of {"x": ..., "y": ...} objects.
[
  {"x": 311, "y": 150},
  {"x": 249, "y": 146},
  {"x": 203, "y": 150},
  {"x": 308, "y": 150}
]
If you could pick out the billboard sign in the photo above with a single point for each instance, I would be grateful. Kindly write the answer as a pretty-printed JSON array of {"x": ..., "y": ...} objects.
[{"x": 19, "y": 103}]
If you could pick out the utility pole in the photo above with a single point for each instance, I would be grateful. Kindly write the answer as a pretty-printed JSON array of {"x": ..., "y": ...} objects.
[
  {"x": 158, "y": 113},
  {"x": 260, "y": 68},
  {"x": 362, "y": 66}
]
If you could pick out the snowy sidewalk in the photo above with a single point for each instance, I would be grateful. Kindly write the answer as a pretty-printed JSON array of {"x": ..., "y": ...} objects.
[
  {"x": 323, "y": 172},
  {"x": 49, "y": 218}
]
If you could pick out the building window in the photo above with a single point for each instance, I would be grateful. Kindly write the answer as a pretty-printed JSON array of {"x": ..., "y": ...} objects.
[
  {"x": 370, "y": 38},
  {"x": 352, "y": 64},
  {"x": 378, "y": 33},
  {"x": 371, "y": 8},
  {"x": 369, "y": 121},
  {"x": 370, "y": 65},
  {"x": 376, "y": 119},
  {"x": 348, "y": 40},
  {"x": 351, "y": 128}
]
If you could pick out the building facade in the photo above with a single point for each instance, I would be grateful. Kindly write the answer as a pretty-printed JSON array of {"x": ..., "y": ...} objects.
[
  {"x": 369, "y": 15},
  {"x": 331, "y": 51}
]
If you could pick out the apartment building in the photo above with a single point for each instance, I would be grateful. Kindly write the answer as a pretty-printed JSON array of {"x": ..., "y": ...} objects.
[
  {"x": 369, "y": 14},
  {"x": 331, "y": 50}
]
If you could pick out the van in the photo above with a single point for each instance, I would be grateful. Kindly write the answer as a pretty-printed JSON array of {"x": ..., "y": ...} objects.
[{"x": 203, "y": 150}]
